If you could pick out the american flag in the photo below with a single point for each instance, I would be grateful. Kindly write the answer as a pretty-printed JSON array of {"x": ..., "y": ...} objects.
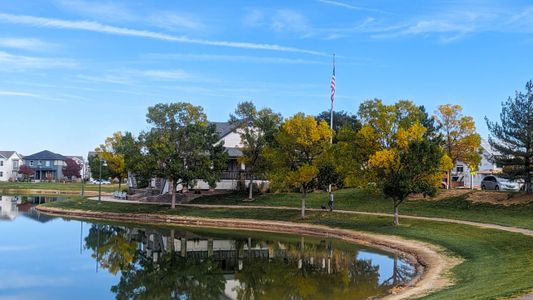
[{"x": 333, "y": 86}]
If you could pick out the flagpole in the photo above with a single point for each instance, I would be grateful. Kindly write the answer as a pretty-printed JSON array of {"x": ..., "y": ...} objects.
[
  {"x": 330, "y": 190},
  {"x": 331, "y": 109}
]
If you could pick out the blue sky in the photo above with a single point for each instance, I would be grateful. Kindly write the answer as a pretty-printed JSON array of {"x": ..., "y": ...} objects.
[{"x": 73, "y": 71}]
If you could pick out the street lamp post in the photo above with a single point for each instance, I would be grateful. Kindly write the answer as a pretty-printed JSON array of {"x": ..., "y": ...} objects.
[
  {"x": 83, "y": 178},
  {"x": 102, "y": 162}
]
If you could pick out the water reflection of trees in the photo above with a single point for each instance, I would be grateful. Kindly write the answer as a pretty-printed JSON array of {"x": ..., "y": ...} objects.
[{"x": 184, "y": 265}]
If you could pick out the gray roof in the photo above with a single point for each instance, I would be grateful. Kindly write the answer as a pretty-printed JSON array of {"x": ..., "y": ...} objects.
[
  {"x": 234, "y": 152},
  {"x": 6, "y": 154},
  {"x": 45, "y": 155},
  {"x": 222, "y": 128}
]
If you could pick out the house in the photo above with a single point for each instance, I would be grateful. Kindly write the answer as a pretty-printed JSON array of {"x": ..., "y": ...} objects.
[
  {"x": 461, "y": 172},
  {"x": 236, "y": 170},
  {"x": 10, "y": 162},
  {"x": 46, "y": 164}
]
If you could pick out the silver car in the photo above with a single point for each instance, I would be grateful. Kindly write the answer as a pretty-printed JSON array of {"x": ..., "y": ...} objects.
[{"x": 497, "y": 184}]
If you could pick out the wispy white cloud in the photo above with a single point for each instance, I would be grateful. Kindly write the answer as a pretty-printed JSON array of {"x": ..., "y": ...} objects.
[
  {"x": 16, "y": 94},
  {"x": 232, "y": 58},
  {"x": 13, "y": 62},
  {"x": 104, "y": 28},
  {"x": 352, "y": 7},
  {"x": 173, "y": 21},
  {"x": 30, "y": 44},
  {"x": 134, "y": 76},
  {"x": 289, "y": 20}
]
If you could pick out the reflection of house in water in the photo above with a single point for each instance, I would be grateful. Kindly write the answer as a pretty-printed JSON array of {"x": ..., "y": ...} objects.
[
  {"x": 8, "y": 207},
  {"x": 13, "y": 206}
]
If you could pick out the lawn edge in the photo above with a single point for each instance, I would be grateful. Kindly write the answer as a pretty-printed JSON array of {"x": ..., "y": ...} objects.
[{"x": 433, "y": 262}]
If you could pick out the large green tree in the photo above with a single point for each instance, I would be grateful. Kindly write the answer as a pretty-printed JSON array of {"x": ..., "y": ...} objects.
[
  {"x": 460, "y": 140},
  {"x": 183, "y": 145},
  {"x": 257, "y": 129},
  {"x": 297, "y": 153},
  {"x": 512, "y": 137},
  {"x": 137, "y": 163},
  {"x": 341, "y": 120}
]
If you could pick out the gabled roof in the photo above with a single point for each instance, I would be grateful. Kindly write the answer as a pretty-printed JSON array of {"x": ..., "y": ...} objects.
[
  {"x": 223, "y": 128},
  {"x": 6, "y": 154},
  {"x": 45, "y": 155}
]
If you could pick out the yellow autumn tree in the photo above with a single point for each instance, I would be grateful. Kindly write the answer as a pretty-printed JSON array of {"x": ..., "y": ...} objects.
[
  {"x": 461, "y": 142},
  {"x": 109, "y": 151},
  {"x": 296, "y": 155}
]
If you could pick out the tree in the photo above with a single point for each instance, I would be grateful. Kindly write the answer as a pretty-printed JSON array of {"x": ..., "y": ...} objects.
[
  {"x": 110, "y": 152},
  {"x": 409, "y": 168},
  {"x": 94, "y": 164},
  {"x": 138, "y": 166},
  {"x": 26, "y": 172},
  {"x": 183, "y": 146},
  {"x": 385, "y": 120},
  {"x": 257, "y": 129},
  {"x": 512, "y": 137},
  {"x": 402, "y": 147},
  {"x": 341, "y": 120},
  {"x": 71, "y": 169},
  {"x": 297, "y": 152},
  {"x": 461, "y": 142}
]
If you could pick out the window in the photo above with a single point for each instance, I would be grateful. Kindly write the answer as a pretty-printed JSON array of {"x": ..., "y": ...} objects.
[
  {"x": 31, "y": 163},
  {"x": 47, "y": 163},
  {"x": 460, "y": 169},
  {"x": 15, "y": 164},
  {"x": 1, "y": 163},
  {"x": 1, "y": 174},
  {"x": 40, "y": 163}
]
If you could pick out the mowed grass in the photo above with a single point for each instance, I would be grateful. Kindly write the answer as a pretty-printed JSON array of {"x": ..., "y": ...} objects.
[
  {"x": 57, "y": 186},
  {"x": 361, "y": 200},
  {"x": 496, "y": 263}
]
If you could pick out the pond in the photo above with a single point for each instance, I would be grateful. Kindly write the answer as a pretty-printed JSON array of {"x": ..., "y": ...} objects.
[{"x": 43, "y": 257}]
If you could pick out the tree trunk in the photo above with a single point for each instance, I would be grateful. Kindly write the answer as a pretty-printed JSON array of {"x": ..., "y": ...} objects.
[
  {"x": 251, "y": 190},
  {"x": 449, "y": 178},
  {"x": 173, "y": 187},
  {"x": 396, "y": 214},
  {"x": 119, "y": 183},
  {"x": 303, "y": 203}
]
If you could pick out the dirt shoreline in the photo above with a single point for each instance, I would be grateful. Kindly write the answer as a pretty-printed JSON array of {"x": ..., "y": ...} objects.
[{"x": 431, "y": 262}]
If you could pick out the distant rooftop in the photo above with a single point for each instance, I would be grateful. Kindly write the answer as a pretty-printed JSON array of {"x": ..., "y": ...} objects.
[
  {"x": 222, "y": 128},
  {"x": 45, "y": 155},
  {"x": 6, "y": 154}
]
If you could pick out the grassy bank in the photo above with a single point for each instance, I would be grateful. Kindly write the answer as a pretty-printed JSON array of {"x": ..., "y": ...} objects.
[
  {"x": 353, "y": 199},
  {"x": 497, "y": 264},
  {"x": 55, "y": 186}
]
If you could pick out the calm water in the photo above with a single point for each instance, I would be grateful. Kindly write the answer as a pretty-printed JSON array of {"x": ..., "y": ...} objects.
[{"x": 42, "y": 257}]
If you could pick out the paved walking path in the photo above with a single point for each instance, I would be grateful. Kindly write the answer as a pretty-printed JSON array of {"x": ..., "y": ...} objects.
[{"x": 523, "y": 231}]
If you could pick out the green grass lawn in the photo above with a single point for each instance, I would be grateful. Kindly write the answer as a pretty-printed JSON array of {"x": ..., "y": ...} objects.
[
  {"x": 497, "y": 264},
  {"x": 360, "y": 200},
  {"x": 75, "y": 186}
]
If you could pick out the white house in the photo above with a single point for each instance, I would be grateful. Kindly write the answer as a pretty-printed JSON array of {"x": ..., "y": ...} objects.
[
  {"x": 8, "y": 207},
  {"x": 487, "y": 166},
  {"x": 235, "y": 171},
  {"x": 10, "y": 162}
]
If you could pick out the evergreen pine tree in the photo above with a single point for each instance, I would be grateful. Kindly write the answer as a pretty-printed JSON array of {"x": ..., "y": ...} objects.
[{"x": 512, "y": 137}]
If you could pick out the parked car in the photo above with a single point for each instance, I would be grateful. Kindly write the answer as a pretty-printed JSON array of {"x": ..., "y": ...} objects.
[
  {"x": 97, "y": 181},
  {"x": 497, "y": 184}
]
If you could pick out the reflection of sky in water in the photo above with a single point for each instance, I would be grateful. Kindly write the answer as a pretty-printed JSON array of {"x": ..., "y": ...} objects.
[
  {"x": 45, "y": 260},
  {"x": 385, "y": 263}
]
